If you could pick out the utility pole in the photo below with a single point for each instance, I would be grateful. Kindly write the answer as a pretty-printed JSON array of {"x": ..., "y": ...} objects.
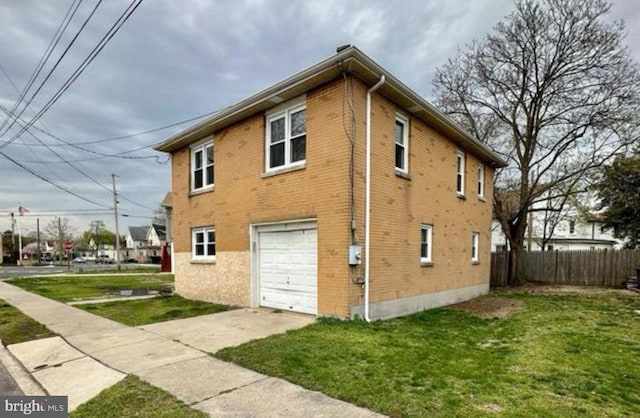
[
  {"x": 60, "y": 239},
  {"x": 115, "y": 211},
  {"x": 38, "y": 239},
  {"x": 13, "y": 236}
]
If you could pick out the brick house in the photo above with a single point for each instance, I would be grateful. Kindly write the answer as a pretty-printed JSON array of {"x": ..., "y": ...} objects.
[{"x": 270, "y": 196}]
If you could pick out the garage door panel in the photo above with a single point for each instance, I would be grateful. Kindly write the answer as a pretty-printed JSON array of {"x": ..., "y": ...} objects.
[{"x": 288, "y": 270}]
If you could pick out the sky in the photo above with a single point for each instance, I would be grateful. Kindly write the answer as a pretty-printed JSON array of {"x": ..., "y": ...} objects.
[{"x": 175, "y": 60}]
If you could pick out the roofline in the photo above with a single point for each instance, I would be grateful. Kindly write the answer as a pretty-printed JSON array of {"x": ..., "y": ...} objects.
[{"x": 350, "y": 60}]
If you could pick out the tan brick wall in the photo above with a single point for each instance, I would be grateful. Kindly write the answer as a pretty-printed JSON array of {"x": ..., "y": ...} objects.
[
  {"x": 400, "y": 206},
  {"x": 243, "y": 196}
]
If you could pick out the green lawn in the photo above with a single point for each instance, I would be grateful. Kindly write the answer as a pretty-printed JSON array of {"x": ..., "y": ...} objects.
[
  {"x": 114, "y": 270},
  {"x": 16, "y": 327},
  {"x": 134, "y": 398},
  {"x": 569, "y": 355},
  {"x": 69, "y": 288},
  {"x": 148, "y": 311}
]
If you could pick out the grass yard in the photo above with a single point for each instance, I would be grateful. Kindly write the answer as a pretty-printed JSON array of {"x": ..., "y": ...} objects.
[
  {"x": 134, "y": 398},
  {"x": 70, "y": 288},
  {"x": 16, "y": 327},
  {"x": 148, "y": 311},
  {"x": 557, "y": 355},
  {"x": 136, "y": 269}
]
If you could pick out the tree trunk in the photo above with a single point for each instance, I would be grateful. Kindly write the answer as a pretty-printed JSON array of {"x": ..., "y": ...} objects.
[{"x": 516, "y": 242}]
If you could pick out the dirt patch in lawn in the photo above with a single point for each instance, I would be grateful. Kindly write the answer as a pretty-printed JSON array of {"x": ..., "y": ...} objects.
[
  {"x": 487, "y": 307},
  {"x": 536, "y": 288}
]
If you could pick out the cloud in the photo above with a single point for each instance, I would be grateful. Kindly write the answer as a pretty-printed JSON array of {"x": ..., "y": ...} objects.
[{"x": 174, "y": 60}]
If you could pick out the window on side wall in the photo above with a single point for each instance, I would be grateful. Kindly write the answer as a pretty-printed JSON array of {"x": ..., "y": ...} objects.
[
  {"x": 402, "y": 143},
  {"x": 202, "y": 174},
  {"x": 426, "y": 239},
  {"x": 203, "y": 243},
  {"x": 480, "y": 180},
  {"x": 286, "y": 141},
  {"x": 475, "y": 242},
  {"x": 460, "y": 174}
]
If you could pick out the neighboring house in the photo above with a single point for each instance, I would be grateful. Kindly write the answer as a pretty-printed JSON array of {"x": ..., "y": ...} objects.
[
  {"x": 156, "y": 238},
  {"x": 569, "y": 234},
  {"x": 100, "y": 250},
  {"x": 269, "y": 198},
  {"x": 136, "y": 243},
  {"x": 144, "y": 243}
]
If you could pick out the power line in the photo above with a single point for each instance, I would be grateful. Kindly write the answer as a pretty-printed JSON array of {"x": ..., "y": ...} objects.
[
  {"x": 92, "y": 55},
  {"x": 45, "y": 57},
  {"x": 57, "y": 138},
  {"x": 58, "y": 186},
  {"x": 116, "y": 138},
  {"x": 51, "y": 71}
]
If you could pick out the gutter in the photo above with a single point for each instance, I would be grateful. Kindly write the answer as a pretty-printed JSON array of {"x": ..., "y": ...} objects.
[{"x": 367, "y": 226}]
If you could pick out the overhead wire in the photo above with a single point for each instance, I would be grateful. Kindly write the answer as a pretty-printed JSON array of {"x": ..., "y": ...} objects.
[
  {"x": 58, "y": 186},
  {"x": 80, "y": 69},
  {"x": 52, "y": 70},
  {"x": 45, "y": 57},
  {"x": 116, "y": 138}
]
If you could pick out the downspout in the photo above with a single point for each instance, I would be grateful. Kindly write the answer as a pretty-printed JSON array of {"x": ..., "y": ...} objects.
[{"x": 367, "y": 216}]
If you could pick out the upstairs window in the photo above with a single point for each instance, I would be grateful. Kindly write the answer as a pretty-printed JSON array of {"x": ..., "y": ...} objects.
[
  {"x": 460, "y": 174},
  {"x": 572, "y": 227},
  {"x": 286, "y": 143},
  {"x": 202, "y": 167},
  {"x": 480, "y": 180},
  {"x": 402, "y": 143}
]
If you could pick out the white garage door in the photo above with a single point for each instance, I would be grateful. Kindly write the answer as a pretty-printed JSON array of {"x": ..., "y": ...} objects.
[{"x": 288, "y": 268}]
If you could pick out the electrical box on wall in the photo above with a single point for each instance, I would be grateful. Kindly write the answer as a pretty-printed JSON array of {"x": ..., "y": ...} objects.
[{"x": 355, "y": 257}]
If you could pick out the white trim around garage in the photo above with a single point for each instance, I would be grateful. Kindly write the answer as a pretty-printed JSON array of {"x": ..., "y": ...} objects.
[{"x": 269, "y": 234}]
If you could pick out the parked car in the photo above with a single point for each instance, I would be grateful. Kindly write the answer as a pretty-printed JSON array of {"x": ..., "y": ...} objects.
[
  {"x": 104, "y": 259},
  {"x": 79, "y": 260}
]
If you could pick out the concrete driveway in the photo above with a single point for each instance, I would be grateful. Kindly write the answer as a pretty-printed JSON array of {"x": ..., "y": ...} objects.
[{"x": 211, "y": 333}]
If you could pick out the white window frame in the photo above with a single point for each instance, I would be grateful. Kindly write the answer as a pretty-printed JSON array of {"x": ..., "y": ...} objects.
[
  {"x": 481, "y": 181},
  {"x": 204, "y": 230},
  {"x": 429, "y": 242},
  {"x": 405, "y": 145},
  {"x": 202, "y": 147},
  {"x": 284, "y": 111},
  {"x": 460, "y": 163},
  {"x": 475, "y": 247}
]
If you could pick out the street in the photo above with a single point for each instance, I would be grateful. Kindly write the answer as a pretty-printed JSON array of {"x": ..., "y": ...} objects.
[{"x": 24, "y": 271}]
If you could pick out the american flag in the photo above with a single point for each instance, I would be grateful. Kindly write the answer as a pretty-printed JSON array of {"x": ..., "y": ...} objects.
[{"x": 22, "y": 210}]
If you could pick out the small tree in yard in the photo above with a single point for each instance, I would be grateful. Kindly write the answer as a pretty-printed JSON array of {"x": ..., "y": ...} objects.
[
  {"x": 554, "y": 92},
  {"x": 619, "y": 191}
]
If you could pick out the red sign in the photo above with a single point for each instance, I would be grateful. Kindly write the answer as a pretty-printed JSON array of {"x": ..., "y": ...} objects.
[{"x": 68, "y": 246}]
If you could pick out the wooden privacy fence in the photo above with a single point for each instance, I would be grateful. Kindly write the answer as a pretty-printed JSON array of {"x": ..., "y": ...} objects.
[{"x": 605, "y": 268}]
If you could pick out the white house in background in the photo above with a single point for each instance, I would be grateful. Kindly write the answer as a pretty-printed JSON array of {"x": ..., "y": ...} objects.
[
  {"x": 569, "y": 234},
  {"x": 156, "y": 238},
  {"x": 144, "y": 243},
  {"x": 136, "y": 240}
]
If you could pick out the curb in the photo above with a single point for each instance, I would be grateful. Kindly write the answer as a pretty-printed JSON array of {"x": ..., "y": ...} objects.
[{"x": 20, "y": 375}]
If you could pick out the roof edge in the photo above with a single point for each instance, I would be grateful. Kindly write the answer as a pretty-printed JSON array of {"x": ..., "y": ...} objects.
[{"x": 350, "y": 59}]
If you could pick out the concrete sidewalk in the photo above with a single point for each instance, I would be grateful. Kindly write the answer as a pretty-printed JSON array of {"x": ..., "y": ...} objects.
[{"x": 93, "y": 353}]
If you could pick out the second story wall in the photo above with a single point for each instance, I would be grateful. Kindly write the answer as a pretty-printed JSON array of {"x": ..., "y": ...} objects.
[
  {"x": 245, "y": 193},
  {"x": 424, "y": 194}
]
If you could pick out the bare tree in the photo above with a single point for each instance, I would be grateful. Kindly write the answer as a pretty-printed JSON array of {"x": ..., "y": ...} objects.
[
  {"x": 58, "y": 229},
  {"x": 553, "y": 91}
]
